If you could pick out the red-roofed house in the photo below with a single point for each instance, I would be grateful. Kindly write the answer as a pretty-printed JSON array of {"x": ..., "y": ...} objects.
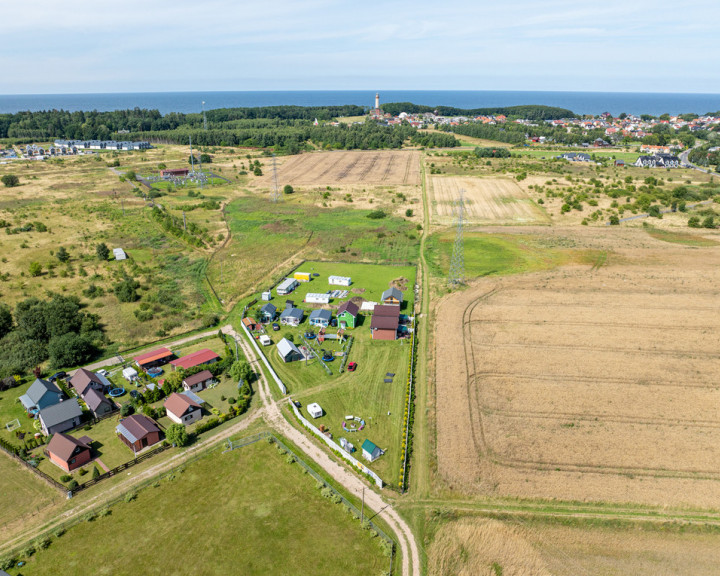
[
  {"x": 154, "y": 358},
  {"x": 67, "y": 452},
  {"x": 204, "y": 356}
]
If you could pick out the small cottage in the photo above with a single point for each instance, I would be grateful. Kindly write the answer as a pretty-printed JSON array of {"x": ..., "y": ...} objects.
[
  {"x": 138, "y": 432},
  {"x": 268, "y": 312},
  {"x": 392, "y": 296},
  {"x": 97, "y": 402},
  {"x": 182, "y": 409},
  {"x": 347, "y": 314},
  {"x": 67, "y": 452},
  {"x": 320, "y": 318},
  {"x": 60, "y": 417},
  {"x": 291, "y": 316},
  {"x": 41, "y": 394},
  {"x": 198, "y": 382}
]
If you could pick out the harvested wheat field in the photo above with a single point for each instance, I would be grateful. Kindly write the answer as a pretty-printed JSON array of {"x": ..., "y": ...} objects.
[
  {"x": 586, "y": 384},
  {"x": 487, "y": 201},
  {"x": 382, "y": 167},
  {"x": 481, "y": 546}
]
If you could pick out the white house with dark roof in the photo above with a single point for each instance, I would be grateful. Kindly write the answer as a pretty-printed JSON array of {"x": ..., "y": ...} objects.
[
  {"x": 320, "y": 318},
  {"x": 291, "y": 316}
]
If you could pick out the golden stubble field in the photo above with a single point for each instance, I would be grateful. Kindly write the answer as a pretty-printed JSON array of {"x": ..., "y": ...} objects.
[
  {"x": 346, "y": 167},
  {"x": 487, "y": 200},
  {"x": 586, "y": 384}
]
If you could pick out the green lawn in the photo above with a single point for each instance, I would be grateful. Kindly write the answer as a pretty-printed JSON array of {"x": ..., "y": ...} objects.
[
  {"x": 264, "y": 235},
  {"x": 363, "y": 392},
  {"x": 11, "y": 408},
  {"x": 244, "y": 512},
  {"x": 22, "y": 491}
]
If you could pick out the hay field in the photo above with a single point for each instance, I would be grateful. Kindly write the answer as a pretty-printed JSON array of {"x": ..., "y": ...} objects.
[
  {"x": 487, "y": 201},
  {"x": 382, "y": 168},
  {"x": 584, "y": 383}
]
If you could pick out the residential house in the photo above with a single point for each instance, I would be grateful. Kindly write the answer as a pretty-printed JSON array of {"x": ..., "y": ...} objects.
[
  {"x": 268, "y": 312},
  {"x": 97, "y": 403},
  {"x": 392, "y": 296},
  {"x": 138, "y": 432},
  {"x": 41, "y": 394},
  {"x": 182, "y": 409},
  {"x": 199, "y": 358},
  {"x": 67, "y": 452},
  {"x": 84, "y": 379},
  {"x": 60, "y": 417},
  {"x": 291, "y": 316},
  {"x": 371, "y": 452},
  {"x": 347, "y": 314},
  {"x": 198, "y": 382},
  {"x": 320, "y": 318},
  {"x": 288, "y": 351},
  {"x": 385, "y": 322},
  {"x": 646, "y": 162}
]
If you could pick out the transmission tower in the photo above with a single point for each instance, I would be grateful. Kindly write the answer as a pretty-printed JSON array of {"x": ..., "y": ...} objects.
[
  {"x": 192, "y": 158},
  {"x": 457, "y": 262},
  {"x": 204, "y": 117},
  {"x": 276, "y": 189}
]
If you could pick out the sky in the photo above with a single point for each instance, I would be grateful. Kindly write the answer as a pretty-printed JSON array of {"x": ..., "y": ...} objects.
[{"x": 94, "y": 46}]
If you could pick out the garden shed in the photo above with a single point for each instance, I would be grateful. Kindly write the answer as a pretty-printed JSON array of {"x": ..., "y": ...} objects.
[
  {"x": 288, "y": 351},
  {"x": 347, "y": 313},
  {"x": 371, "y": 452},
  {"x": 302, "y": 276},
  {"x": 268, "y": 312},
  {"x": 315, "y": 410}
]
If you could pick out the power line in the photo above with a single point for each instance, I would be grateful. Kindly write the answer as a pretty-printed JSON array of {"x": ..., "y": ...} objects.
[
  {"x": 457, "y": 262},
  {"x": 276, "y": 188}
]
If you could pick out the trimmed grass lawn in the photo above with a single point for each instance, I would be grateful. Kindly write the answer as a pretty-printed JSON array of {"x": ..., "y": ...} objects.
[
  {"x": 245, "y": 512},
  {"x": 22, "y": 491},
  {"x": 10, "y": 409},
  {"x": 361, "y": 393}
]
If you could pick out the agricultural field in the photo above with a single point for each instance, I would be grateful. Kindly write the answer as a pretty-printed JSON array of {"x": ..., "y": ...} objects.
[
  {"x": 476, "y": 545},
  {"x": 486, "y": 201},
  {"x": 593, "y": 382},
  {"x": 286, "y": 525},
  {"x": 351, "y": 167},
  {"x": 364, "y": 392}
]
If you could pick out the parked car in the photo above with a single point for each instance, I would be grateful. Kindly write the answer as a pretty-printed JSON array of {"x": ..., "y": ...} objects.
[
  {"x": 134, "y": 393},
  {"x": 57, "y": 375},
  {"x": 333, "y": 322},
  {"x": 276, "y": 326},
  {"x": 103, "y": 372},
  {"x": 352, "y": 366}
]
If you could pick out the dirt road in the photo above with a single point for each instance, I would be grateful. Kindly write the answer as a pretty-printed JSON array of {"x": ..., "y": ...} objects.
[{"x": 351, "y": 482}]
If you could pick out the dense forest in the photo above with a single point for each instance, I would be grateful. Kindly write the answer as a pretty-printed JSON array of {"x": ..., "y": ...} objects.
[
  {"x": 287, "y": 129},
  {"x": 529, "y": 112},
  {"x": 518, "y": 133}
]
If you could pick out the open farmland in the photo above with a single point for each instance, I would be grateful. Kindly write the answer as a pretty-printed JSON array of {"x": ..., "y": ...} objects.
[
  {"x": 487, "y": 201},
  {"x": 586, "y": 383},
  {"x": 384, "y": 167}
]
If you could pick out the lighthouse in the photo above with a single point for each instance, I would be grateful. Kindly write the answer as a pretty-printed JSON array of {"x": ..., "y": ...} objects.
[{"x": 377, "y": 101}]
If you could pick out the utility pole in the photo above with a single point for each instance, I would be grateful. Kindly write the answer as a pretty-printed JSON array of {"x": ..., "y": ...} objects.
[
  {"x": 184, "y": 221},
  {"x": 276, "y": 189},
  {"x": 204, "y": 118},
  {"x": 457, "y": 262},
  {"x": 362, "y": 510}
]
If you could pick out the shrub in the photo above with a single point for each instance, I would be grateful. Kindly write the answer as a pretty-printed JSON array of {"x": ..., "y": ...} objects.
[
  {"x": 29, "y": 551},
  {"x": 377, "y": 214},
  {"x": 72, "y": 484},
  {"x": 126, "y": 409},
  {"x": 82, "y": 471},
  {"x": 130, "y": 496},
  {"x": 95, "y": 472},
  {"x": 35, "y": 269},
  {"x": 10, "y": 180},
  {"x": 287, "y": 189},
  {"x": 176, "y": 434},
  {"x": 694, "y": 222},
  {"x": 65, "y": 478},
  {"x": 614, "y": 220},
  {"x": 409, "y": 212},
  {"x": 709, "y": 222}
]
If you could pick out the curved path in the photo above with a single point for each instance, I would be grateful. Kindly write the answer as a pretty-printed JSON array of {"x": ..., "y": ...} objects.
[{"x": 351, "y": 482}]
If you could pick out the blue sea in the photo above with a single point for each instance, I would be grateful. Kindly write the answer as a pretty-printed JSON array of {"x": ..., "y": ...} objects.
[{"x": 187, "y": 102}]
